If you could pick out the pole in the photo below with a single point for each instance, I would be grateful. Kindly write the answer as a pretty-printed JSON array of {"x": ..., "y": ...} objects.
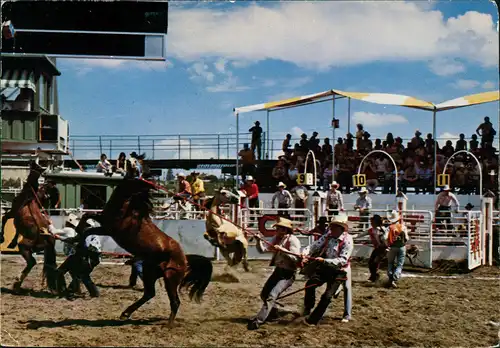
[
  {"x": 349, "y": 115},
  {"x": 267, "y": 131},
  {"x": 435, "y": 148},
  {"x": 333, "y": 140},
  {"x": 237, "y": 150}
]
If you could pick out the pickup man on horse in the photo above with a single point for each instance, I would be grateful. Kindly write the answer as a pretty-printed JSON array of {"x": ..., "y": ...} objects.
[{"x": 332, "y": 253}]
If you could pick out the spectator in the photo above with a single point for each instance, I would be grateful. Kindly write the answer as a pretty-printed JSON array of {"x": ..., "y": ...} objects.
[
  {"x": 363, "y": 205},
  {"x": 409, "y": 178},
  {"x": 198, "y": 189},
  {"x": 285, "y": 147},
  {"x": 121, "y": 163},
  {"x": 300, "y": 196},
  {"x": 473, "y": 143},
  {"x": 327, "y": 176},
  {"x": 280, "y": 172},
  {"x": 378, "y": 144},
  {"x": 247, "y": 161},
  {"x": 448, "y": 149},
  {"x": 104, "y": 166},
  {"x": 461, "y": 143},
  {"x": 184, "y": 189},
  {"x": 487, "y": 132},
  {"x": 284, "y": 199},
  {"x": 359, "y": 135},
  {"x": 334, "y": 200},
  {"x": 256, "y": 139},
  {"x": 417, "y": 140}
]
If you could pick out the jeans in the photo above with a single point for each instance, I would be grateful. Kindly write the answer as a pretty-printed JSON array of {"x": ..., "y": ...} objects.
[
  {"x": 395, "y": 255},
  {"x": 332, "y": 287},
  {"x": 136, "y": 272},
  {"x": 278, "y": 282}
]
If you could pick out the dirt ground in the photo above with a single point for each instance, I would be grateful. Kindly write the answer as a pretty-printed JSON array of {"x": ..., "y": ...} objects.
[{"x": 421, "y": 312}]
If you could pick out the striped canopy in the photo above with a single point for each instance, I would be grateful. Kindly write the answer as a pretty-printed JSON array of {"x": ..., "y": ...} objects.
[{"x": 18, "y": 79}]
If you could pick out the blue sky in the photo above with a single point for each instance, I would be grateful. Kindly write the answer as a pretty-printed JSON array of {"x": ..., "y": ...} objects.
[{"x": 223, "y": 55}]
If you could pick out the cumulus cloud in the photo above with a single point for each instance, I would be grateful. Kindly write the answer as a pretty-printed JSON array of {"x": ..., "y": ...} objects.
[
  {"x": 359, "y": 32},
  {"x": 200, "y": 70},
  {"x": 446, "y": 67},
  {"x": 444, "y": 137},
  {"x": 466, "y": 84},
  {"x": 370, "y": 119}
]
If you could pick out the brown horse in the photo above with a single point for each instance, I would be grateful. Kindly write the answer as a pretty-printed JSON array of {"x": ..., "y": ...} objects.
[
  {"x": 29, "y": 222},
  {"x": 126, "y": 218}
]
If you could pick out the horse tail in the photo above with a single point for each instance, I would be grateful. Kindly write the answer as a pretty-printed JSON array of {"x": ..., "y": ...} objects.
[
  {"x": 197, "y": 277},
  {"x": 50, "y": 265}
]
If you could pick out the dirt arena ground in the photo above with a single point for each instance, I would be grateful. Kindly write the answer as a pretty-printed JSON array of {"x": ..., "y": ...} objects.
[{"x": 421, "y": 312}]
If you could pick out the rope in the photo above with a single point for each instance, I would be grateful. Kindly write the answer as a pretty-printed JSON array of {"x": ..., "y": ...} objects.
[{"x": 74, "y": 160}]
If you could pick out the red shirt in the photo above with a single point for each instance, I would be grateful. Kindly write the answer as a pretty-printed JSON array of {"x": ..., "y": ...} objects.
[
  {"x": 251, "y": 190},
  {"x": 184, "y": 187}
]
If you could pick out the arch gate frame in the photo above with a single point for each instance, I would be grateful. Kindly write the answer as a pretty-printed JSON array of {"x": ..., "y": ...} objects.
[{"x": 392, "y": 160}]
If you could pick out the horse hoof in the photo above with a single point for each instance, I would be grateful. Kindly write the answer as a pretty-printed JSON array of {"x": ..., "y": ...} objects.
[
  {"x": 17, "y": 286},
  {"x": 124, "y": 317}
]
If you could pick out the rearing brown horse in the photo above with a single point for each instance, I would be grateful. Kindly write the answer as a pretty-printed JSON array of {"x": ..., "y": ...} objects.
[
  {"x": 29, "y": 223},
  {"x": 126, "y": 218}
]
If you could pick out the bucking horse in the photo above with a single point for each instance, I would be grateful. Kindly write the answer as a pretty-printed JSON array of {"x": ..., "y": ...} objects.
[
  {"x": 126, "y": 219},
  {"x": 32, "y": 225}
]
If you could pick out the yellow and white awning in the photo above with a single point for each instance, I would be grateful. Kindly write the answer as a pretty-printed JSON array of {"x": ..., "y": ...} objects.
[
  {"x": 18, "y": 79},
  {"x": 387, "y": 99},
  {"x": 469, "y": 100},
  {"x": 296, "y": 101}
]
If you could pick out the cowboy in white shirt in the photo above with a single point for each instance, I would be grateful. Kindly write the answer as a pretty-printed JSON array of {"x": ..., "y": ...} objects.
[
  {"x": 284, "y": 271},
  {"x": 284, "y": 198},
  {"x": 334, "y": 199},
  {"x": 444, "y": 201},
  {"x": 363, "y": 205},
  {"x": 333, "y": 253}
]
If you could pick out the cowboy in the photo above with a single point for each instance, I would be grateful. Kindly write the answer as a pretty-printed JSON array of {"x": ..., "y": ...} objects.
[
  {"x": 284, "y": 271},
  {"x": 301, "y": 195},
  {"x": 378, "y": 236},
  {"x": 363, "y": 205},
  {"x": 397, "y": 237},
  {"x": 443, "y": 204},
  {"x": 198, "y": 188},
  {"x": 331, "y": 260},
  {"x": 251, "y": 189},
  {"x": 184, "y": 190},
  {"x": 284, "y": 199},
  {"x": 334, "y": 199}
]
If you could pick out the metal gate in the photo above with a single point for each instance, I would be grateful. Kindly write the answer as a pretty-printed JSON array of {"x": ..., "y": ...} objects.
[{"x": 475, "y": 243}]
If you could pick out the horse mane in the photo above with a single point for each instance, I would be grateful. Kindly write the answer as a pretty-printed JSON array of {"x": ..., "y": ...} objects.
[
  {"x": 132, "y": 190},
  {"x": 141, "y": 202}
]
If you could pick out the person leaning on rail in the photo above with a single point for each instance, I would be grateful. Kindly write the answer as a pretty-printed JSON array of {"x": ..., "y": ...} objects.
[
  {"x": 284, "y": 272},
  {"x": 331, "y": 265}
]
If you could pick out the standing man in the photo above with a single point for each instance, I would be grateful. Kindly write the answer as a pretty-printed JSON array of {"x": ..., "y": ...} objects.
[
  {"x": 198, "y": 189},
  {"x": 247, "y": 161},
  {"x": 284, "y": 199},
  {"x": 444, "y": 201},
  {"x": 251, "y": 190},
  {"x": 396, "y": 240},
  {"x": 334, "y": 199},
  {"x": 332, "y": 254},
  {"x": 378, "y": 235},
  {"x": 363, "y": 205},
  {"x": 284, "y": 271},
  {"x": 256, "y": 139},
  {"x": 301, "y": 195},
  {"x": 54, "y": 198}
]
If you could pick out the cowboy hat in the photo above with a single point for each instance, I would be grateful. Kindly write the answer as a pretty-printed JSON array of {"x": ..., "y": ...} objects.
[
  {"x": 282, "y": 222},
  {"x": 392, "y": 217},
  {"x": 363, "y": 190},
  {"x": 340, "y": 220},
  {"x": 181, "y": 174},
  {"x": 195, "y": 173},
  {"x": 249, "y": 178},
  {"x": 73, "y": 220},
  {"x": 281, "y": 184},
  {"x": 334, "y": 184},
  {"x": 446, "y": 188},
  {"x": 92, "y": 223},
  {"x": 133, "y": 154},
  {"x": 469, "y": 206}
]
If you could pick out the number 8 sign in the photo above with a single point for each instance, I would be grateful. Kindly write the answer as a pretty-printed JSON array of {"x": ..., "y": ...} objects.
[{"x": 359, "y": 180}]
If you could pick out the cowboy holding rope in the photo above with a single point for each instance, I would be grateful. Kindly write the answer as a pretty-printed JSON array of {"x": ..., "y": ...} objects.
[
  {"x": 284, "y": 271},
  {"x": 332, "y": 253}
]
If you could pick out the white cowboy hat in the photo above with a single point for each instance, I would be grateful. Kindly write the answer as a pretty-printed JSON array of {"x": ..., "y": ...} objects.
[
  {"x": 334, "y": 184},
  {"x": 181, "y": 174},
  {"x": 284, "y": 223},
  {"x": 446, "y": 188},
  {"x": 393, "y": 217},
  {"x": 363, "y": 190},
  {"x": 249, "y": 178},
  {"x": 92, "y": 223},
  {"x": 281, "y": 184},
  {"x": 340, "y": 220},
  {"x": 73, "y": 220}
]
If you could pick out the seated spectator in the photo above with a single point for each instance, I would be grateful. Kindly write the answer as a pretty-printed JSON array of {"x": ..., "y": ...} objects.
[
  {"x": 461, "y": 143},
  {"x": 349, "y": 142},
  {"x": 121, "y": 163},
  {"x": 409, "y": 178},
  {"x": 389, "y": 140},
  {"x": 378, "y": 144},
  {"x": 473, "y": 143},
  {"x": 327, "y": 177},
  {"x": 370, "y": 170},
  {"x": 104, "y": 166},
  {"x": 326, "y": 149},
  {"x": 448, "y": 149},
  {"x": 280, "y": 172},
  {"x": 304, "y": 143}
]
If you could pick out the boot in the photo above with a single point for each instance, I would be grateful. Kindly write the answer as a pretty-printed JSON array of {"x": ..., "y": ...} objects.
[{"x": 319, "y": 311}]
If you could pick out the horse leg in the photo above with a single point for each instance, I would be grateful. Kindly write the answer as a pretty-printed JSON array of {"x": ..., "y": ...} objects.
[
  {"x": 149, "y": 281},
  {"x": 173, "y": 278},
  {"x": 30, "y": 263},
  {"x": 244, "y": 251}
]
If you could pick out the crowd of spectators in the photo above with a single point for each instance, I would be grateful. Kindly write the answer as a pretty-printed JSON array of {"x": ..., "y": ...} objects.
[{"x": 414, "y": 161}]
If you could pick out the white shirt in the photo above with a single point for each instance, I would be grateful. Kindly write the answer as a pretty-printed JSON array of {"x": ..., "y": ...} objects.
[
  {"x": 381, "y": 164},
  {"x": 446, "y": 200}
]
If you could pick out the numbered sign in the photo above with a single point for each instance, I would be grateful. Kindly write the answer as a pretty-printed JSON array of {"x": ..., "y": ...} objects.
[
  {"x": 301, "y": 179},
  {"x": 305, "y": 179},
  {"x": 359, "y": 180},
  {"x": 443, "y": 180},
  {"x": 309, "y": 179}
]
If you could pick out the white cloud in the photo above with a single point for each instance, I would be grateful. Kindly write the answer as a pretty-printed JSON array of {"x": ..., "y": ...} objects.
[
  {"x": 446, "y": 67},
  {"x": 466, "y": 84},
  {"x": 369, "y": 119},
  {"x": 86, "y": 65},
  {"x": 230, "y": 84},
  {"x": 359, "y": 32},
  {"x": 489, "y": 85},
  {"x": 444, "y": 137},
  {"x": 220, "y": 65},
  {"x": 200, "y": 70}
]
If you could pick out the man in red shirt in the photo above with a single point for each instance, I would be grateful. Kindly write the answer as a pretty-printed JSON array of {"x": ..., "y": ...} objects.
[
  {"x": 252, "y": 191},
  {"x": 184, "y": 186}
]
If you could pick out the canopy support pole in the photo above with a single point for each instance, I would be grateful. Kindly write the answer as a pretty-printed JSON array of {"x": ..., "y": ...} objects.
[
  {"x": 333, "y": 140},
  {"x": 237, "y": 150},
  {"x": 435, "y": 148},
  {"x": 267, "y": 137},
  {"x": 348, "y": 116},
  {"x": 498, "y": 150}
]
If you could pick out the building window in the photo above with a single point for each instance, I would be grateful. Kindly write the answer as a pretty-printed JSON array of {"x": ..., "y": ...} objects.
[{"x": 42, "y": 93}]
